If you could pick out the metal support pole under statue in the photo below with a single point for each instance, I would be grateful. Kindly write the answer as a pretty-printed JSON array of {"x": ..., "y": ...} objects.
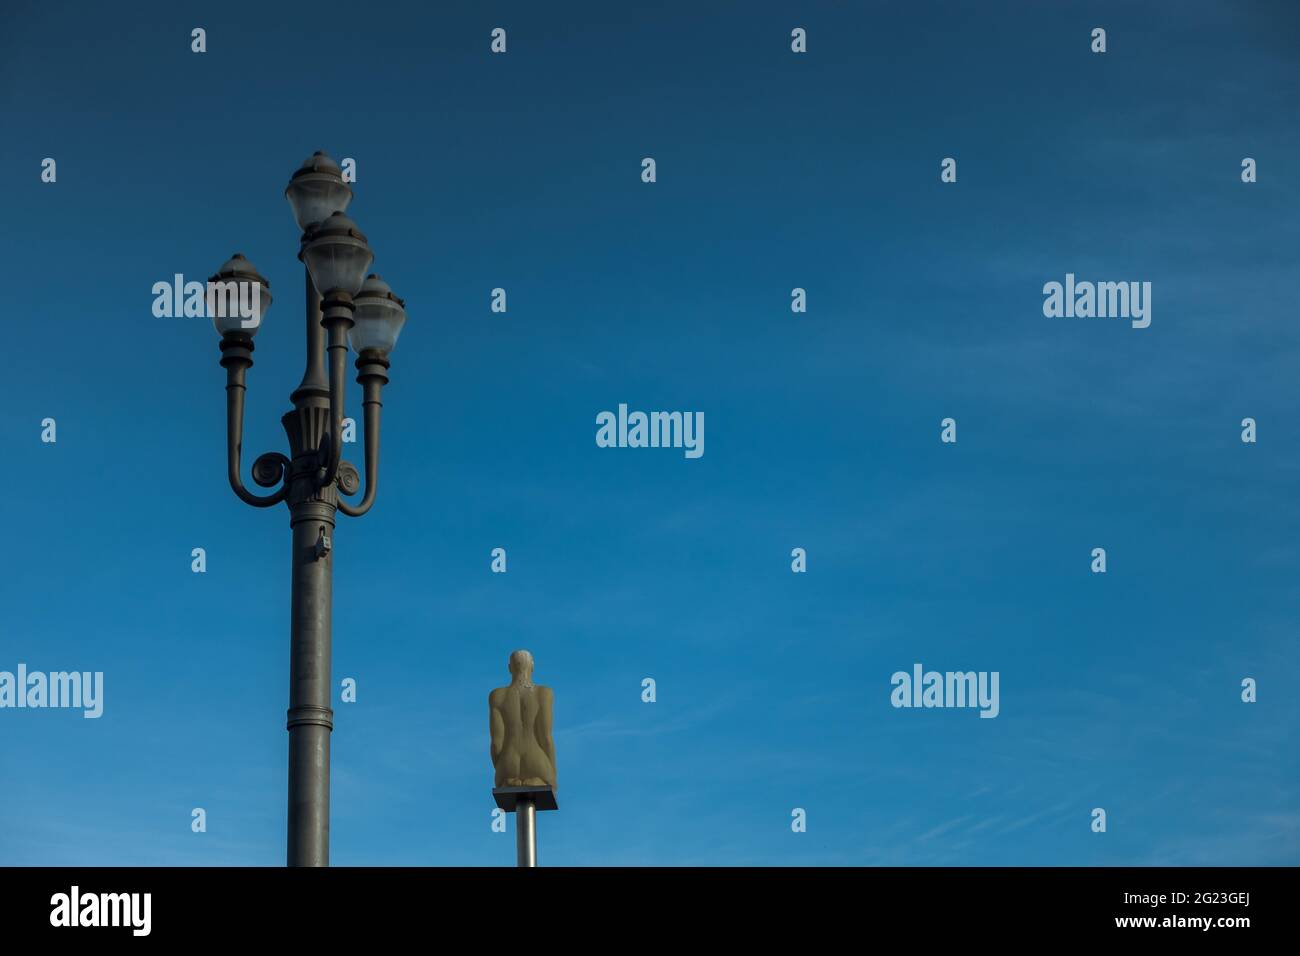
[
  {"x": 524, "y": 803},
  {"x": 526, "y": 832}
]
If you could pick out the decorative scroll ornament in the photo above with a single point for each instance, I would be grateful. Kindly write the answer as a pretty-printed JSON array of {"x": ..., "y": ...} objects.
[
  {"x": 349, "y": 478},
  {"x": 269, "y": 469}
]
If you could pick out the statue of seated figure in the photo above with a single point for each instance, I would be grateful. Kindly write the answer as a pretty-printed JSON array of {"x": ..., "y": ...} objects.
[{"x": 520, "y": 718}]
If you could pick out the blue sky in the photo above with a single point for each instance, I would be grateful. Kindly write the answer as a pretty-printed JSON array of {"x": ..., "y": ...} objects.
[{"x": 775, "y": 170}]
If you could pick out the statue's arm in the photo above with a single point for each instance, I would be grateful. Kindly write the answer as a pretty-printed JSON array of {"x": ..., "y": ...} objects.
[
  {"x": 498, "y": 730},
  {"x": 544, "y": 729}
]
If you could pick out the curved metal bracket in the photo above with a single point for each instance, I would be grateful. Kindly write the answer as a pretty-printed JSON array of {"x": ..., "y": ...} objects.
[
  {"x": 371, "y": 406},
  {"x": 269, "y": 469}
]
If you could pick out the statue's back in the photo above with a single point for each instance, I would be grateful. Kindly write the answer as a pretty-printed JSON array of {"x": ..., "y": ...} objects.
[{"x": 521, "y": 733}]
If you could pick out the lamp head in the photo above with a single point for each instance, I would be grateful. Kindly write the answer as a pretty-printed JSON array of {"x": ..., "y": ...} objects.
[
  {"x": 238, "y": 297},
  {"x": 379, "y": 317},
  {"x": 317, "y": 190},
  {"x": 337, "y": 255}
]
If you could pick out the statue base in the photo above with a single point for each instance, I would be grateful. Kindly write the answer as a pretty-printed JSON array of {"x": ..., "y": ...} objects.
[{"x": 509, "y": 798}]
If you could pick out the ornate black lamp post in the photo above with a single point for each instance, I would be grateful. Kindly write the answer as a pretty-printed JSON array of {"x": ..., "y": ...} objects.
[{"x": 313, "y": 475}]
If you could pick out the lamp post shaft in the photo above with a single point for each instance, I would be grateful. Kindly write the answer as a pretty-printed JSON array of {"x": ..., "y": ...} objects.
[
  {"x": 312, "y": 515},
  {"x": 310, "y": 719}
]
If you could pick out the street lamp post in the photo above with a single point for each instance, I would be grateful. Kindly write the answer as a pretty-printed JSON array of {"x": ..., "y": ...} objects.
[{"x": 313, "y": 477}]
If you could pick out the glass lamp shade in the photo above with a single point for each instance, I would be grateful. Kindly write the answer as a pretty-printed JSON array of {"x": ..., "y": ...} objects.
[
  {"x": 337, "y": 256},
  {"x": 317, "y": 191},
  {"x": 379, "y": 317},
  {"x": 238, "y": 297}
]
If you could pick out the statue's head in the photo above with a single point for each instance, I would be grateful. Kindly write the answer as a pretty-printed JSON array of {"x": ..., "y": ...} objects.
[{"x": 521, "y": 667}]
